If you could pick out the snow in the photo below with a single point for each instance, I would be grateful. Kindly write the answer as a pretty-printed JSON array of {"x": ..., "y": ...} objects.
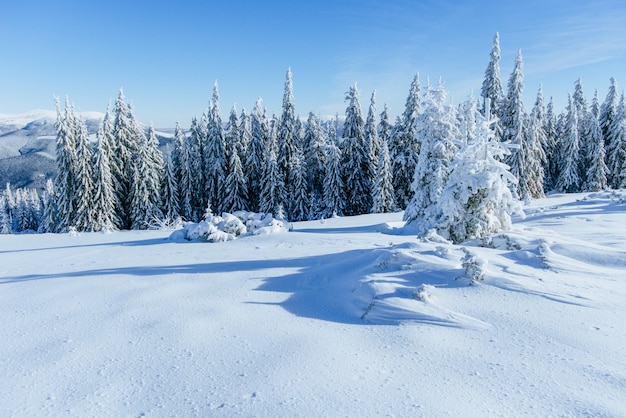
[{"x": 341, "y": 317}]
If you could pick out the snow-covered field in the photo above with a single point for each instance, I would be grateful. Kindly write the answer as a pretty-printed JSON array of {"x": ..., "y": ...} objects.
[{"x": 343, "y": 317}]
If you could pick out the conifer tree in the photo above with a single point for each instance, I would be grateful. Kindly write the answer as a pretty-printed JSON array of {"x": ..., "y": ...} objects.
[
  {"x": 315, "y": 161},
  {"x": 67, "y": 166},
  {"x": 183, "y": 164},
  {"x": 287, "y": 133},
  {"x": 235, "y": 191},
  {"x": 515, "y": 124},
  {"x": 596, "y": 169},
  {"x": 49, "y": 220},
  {"x": 215, "y": 154},
  {"x": 299, "y": 197},
  {"x": 404, "y": 146},
  {"x": 334, "y": 193},
  {"x": 259, "y": 132},
  {"x": 170, "y": 206},
  {"x": 383, "y": 194},
  {"x": 103, "y": 193},
  {"x": 608, "y": 123},
  {"x": 371, "y": 135},
  {"x": 84, "y": 181},
  {"x": 569, "y": 176},
  {"x": 536, "y": 144},
  {"x": 549, "y": 150},
  {"x": 197, "y": 139},
  {"x": 272, "y": 186},
  {"x": 492, "y": 92},
  {"x": 616, "y": 152},
  {"x": 356, "y": 167},
  {"x": 476, "y": 200},
  {"x": 438, "y": 134},
  {"x": 5, "y": 220}
]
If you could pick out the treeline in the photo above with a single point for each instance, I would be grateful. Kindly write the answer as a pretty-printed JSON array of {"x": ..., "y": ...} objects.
[{"x": 313, "y": 169}]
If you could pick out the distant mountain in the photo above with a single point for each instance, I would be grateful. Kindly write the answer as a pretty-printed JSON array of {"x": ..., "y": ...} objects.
[{"x": 28, "y": 146}]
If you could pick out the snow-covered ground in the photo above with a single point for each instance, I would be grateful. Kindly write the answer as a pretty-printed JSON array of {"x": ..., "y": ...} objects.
[{"x": 343, "y": 317}]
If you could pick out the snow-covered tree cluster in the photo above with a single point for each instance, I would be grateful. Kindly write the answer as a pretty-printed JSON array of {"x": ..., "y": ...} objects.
[{"x": 457, "y": 169}]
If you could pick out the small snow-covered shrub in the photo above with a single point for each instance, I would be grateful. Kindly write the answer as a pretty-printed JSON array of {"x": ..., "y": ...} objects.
[
  {"x": 229, "y": 226},
  {"x": 473, "y": 265}
]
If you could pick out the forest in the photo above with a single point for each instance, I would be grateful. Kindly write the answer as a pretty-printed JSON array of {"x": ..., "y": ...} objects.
[{"x": 461, "y": 170}]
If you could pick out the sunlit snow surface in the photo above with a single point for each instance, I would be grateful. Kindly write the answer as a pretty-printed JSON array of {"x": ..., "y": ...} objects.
[{"x": 343, "y": 317}]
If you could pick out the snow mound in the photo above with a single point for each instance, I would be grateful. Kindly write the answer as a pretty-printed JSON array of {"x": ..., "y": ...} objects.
[{"x": 230, "y": 226}]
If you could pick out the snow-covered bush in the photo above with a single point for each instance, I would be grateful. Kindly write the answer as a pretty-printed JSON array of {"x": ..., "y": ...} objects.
[{"x": 230, "y": 226}]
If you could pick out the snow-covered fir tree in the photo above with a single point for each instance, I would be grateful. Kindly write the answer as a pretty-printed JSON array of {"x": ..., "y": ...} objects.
[
  {"x": 616, "y": 152},
  {"x": 215, "y": 154},
  {"x": 298, "y": 202},
  {"x": 183, "y": 163},
  {"x": 272, "y": 185},
  {"x": 609, "y": 124},
  {"x": 104, "y": 217},
  {"x": 491, "y": 92},
  {"x": 287, "y": 135},
  {"x": 49, "y": 220},
  {"x": 536, "y": 144},
  {"x": 371, "y": 135},
  {"x": 438, "y": 136},
  {"x": 146, "y": 198},
  {"x": 235, "y": 191},
  {"x": 595, "y": 154},
  {"x": 197, "y": 139},
  {"x": 356, "y": 166},
  {"x": 551, "y": 163},
  {"x": 476, "y": 200},
  {"x": 170, "y": 206},
  {"x": 259, "y": 132},
  {"x": 334, "y": 192},
  {"x": 569, "y": 176},
  {"x": 314, "y": 162},
  {"x": 66, "y": 161},
  {"x": 383, "y": 195},
  {"x": 404, "y": 145},
  {"x": 523, "y": 160},
  {"x": 83, "y": 181},
  {"x": 5, "y": 219}
]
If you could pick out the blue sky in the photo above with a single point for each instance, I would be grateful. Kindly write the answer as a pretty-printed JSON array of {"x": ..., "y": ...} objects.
[{"x": 167, "y": 55}]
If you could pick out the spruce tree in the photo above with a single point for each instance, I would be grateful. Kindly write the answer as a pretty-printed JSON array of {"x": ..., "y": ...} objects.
[
  {"x": 197, "y": 140},
  {"x": 608, "y": 123},
  {"x": 569, "y": 176},
  {"x": 66, "y": 159},
  {"x": 235, "y": 191},
  {"x": 438, "y": 136},
  {"x": 170, "y": 206},
  {"x": 404, "y": 146},
  {"x": 49, "y": 221},
  {"x": 254, "y": 154},
  {"x": 334, "y": 192},
  {"x": 314, "y": 162},
  {"x": 299, "y": 208},
  {"x": 104, "y": 203},
  {"x": 356, "y": 167},
  {"x": 616, "y": 153},
  {"x": 596, "y": 169},
  {"x": 383, "y": 194},
  {"x": 371, "y": 135},
  {"x": 183, "y": 164},
  {"x": 476, "y": 200},
  {"x": 272, "y": 186},
  {"x": 215, "y": 154},
  {"x": 84, "y": 181},
  {"x": 491, "y": 91},
  {"x": 287, "y": 137}
]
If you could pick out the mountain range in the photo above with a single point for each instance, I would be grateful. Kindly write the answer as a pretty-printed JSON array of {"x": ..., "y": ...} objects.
[{"x": 28, "y": 146}]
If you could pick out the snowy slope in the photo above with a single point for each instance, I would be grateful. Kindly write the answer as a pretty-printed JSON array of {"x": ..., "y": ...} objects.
[{"x": 345, "y": 317}]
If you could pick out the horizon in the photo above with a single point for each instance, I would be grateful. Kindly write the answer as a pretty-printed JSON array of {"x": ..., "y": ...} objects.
[{"x": 166, "y": 60}]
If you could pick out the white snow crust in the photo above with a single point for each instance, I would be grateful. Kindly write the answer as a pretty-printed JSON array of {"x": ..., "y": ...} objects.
[{"x": 341, "y": 317}]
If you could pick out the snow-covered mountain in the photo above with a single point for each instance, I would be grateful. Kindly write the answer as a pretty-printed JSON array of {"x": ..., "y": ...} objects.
[{"x": 27, "y": 145}]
